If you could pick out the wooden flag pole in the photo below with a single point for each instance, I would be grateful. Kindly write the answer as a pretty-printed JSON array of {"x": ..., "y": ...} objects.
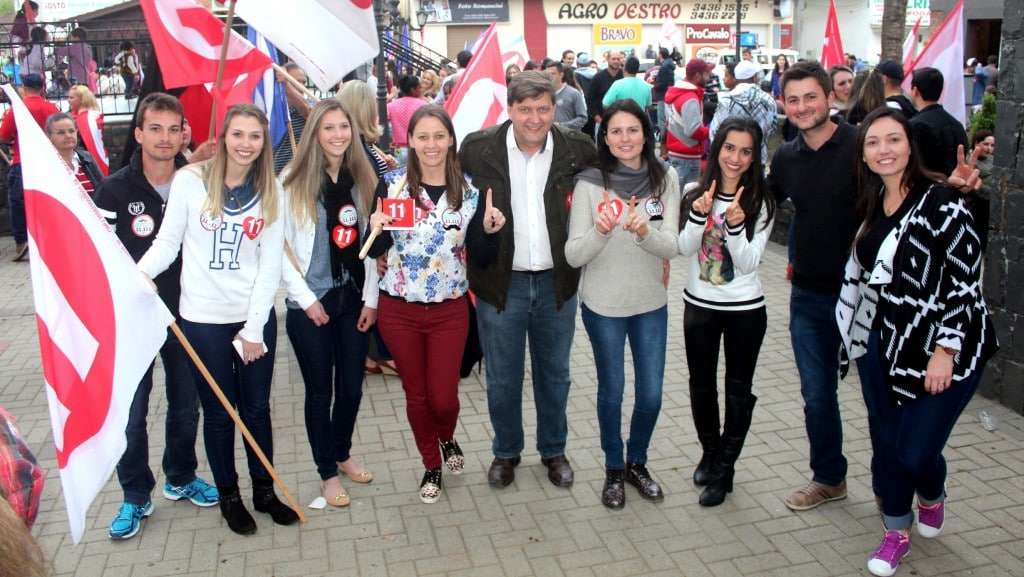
[
  {"x": 238, "y": 421},
  {"x": 220, "y": 68},
  {"x": 291, "y": 80}
]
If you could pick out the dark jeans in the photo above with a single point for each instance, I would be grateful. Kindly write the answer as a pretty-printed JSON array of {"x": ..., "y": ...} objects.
[
  {"x": 16, "y": 204},
  {"x": 129, "y": 85},
  {"x": 331, "y": 359},
  {"x": 529, "y": 312},
  {"x": 907, "y": 447},
  {"x": 179, "y": 461},
  {"x": 743, "y": 333},
  {"x": 647, "y": 335},
  {"x": 816, "y": 341},
  {"x": 247, "y": 388}
]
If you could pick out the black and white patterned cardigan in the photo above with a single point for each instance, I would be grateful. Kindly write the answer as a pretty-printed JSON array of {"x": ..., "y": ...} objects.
[{"x": 928, "y": 272}]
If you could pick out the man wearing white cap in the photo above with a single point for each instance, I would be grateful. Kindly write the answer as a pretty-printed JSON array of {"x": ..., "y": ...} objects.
[{"x": 746, "y": 99}]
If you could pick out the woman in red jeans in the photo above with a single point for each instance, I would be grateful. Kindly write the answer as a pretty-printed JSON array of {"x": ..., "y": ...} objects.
[{"x": 422, "y": 314}]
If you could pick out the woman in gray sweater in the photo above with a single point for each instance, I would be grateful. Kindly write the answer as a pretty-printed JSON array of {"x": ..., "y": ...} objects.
[{"x": 622, "y": 227}]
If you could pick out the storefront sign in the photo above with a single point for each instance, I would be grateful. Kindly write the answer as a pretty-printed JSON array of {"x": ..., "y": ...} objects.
[
  {"x": 696, "y": 11},
  {"x": 466, "y": 12},
  {"x": 617, "y": 34},
  {"x": 707, "y": 34},
  {"x": 915, "y": 9}
]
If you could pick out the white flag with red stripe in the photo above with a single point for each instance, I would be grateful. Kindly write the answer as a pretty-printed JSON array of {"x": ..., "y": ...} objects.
[
  {"x": 100, "y": 324},
  {"x": 945, "y": 52},
  {"x": 327, "y": 38},
  {"x": 910, "y": 48},
  {"x": 479, "y": 98},
  {"x": 90, "y": 127}
]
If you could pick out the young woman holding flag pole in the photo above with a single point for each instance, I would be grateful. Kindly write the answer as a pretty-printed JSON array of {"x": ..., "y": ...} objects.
[{"x": 723, "y": 237}]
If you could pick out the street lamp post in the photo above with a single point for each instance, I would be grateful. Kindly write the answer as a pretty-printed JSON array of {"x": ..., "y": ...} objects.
[{"x": 383, "y": 16}]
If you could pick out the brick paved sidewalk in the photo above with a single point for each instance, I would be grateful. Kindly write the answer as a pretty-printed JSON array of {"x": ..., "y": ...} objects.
[{"x": 531, "y": 527}]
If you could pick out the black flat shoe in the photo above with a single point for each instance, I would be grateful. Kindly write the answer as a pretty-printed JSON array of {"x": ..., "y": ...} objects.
[
  {"x": 234, "y": 512},
  {"x": 613, "y": 495},
  {"x": 638, "y": 476}
]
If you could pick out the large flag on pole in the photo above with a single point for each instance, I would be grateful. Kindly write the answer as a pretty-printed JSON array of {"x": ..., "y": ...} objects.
[
  {"x": 327, "y": 38},
  {"x": 832, "y": 47},
  {"x": 100, "y": 325},
  {"x": 945, "y": 52},
  {"x": 910, "y": 48},
  {"x": 479, "y": 98},
  {"x": 269, "y": 94}
]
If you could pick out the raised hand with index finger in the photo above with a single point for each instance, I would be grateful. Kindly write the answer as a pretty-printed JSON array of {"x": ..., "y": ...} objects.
[
  {"x": 606, "y": 217},
  {"x": 636, "y": 222},
  {"x": 493, "y": 218},
  {"x": 705, "y": 202}
]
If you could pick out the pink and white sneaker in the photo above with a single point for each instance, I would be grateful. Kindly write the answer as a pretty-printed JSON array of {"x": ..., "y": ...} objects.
[
  {"x": 930, "y": 519},
  {"x": 886, "y": 559}
]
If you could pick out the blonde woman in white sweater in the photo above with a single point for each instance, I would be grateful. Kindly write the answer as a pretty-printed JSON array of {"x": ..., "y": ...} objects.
[
  {"x": 723, "y": 238},
  {"x": 224, "y": 215},
  {"x": 622, "y": 227}
]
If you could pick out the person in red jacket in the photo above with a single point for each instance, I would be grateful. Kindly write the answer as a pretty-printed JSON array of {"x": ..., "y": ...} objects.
[{"x": 685, "y": 129}]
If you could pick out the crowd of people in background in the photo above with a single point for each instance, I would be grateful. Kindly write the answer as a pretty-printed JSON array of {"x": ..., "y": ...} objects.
[{"x": 602, "y": 175}]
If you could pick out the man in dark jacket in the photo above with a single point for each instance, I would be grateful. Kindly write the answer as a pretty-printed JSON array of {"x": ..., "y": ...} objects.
[
  {"x": 936, "y": 132},
  {"x": 662, "y": 82},
  {"x": 524, "y": 287},
  {"x": 133, "y": 200},
  {"x": 599, "y": 86}
]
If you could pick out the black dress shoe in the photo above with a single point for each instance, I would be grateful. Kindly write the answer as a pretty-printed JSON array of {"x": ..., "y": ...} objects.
[
  {"x": 638, "y": 476},
  {"x": 502, "y": 472},
  {"x": 613, "y": 495},
  {"x": 559, "y": 471}
]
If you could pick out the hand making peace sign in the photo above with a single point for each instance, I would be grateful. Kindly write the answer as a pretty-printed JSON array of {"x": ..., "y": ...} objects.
[{"x": 966, "y": 176}]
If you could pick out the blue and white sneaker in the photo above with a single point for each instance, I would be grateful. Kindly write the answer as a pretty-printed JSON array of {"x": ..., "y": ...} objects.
[
  {"x": 201, "y": 493},
  {"x": 129, "y": 520}
]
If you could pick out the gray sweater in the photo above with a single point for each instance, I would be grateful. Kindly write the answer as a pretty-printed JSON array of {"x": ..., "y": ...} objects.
[
  {"x": 570, "y": 108},
  {"x": 622, "y": 275}
]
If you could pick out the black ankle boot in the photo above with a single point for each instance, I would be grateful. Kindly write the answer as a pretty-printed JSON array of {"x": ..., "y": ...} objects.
[
  {"x": 638, "y": 476},
  {"x": 265, "y": 501},
  {"x": 704, "y": 405},
  {"x": 234, "y": 512},
  {"x": 613, "y": 495},
  {"x": 739, "y": 409}
]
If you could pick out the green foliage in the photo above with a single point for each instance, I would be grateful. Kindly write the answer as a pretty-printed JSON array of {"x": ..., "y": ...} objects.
[{"x": 985, "y": 118}]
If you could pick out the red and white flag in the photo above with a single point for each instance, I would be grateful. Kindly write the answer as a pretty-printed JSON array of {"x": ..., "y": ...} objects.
[
  {"x": 327, "y": 38},
  {"x": 100, "y": 324},
  {"x": 90, "y": 127},
  {"x": 832, "y": 48},
  {"x": 945, "y": 52},
  {"x": 479, "y": 98},
  {"x": 910, "y": 48}
]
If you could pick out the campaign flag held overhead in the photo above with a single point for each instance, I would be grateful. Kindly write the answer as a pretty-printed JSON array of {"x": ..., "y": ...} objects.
[
  {"x": 269, "y": 94},
  {"x": 832, "y": 47},
  {"x": 100, "y": 324},
  {"x": 514, "y": 52},
  {"x": 327, "y": 38},
  {"x": 479, "y": 98},
  {"x": 910, "y": 48},
  {"x": 90, "y": 127},
  {"x": 187, "y": 39},
  {"x": 945, "y": 52}
]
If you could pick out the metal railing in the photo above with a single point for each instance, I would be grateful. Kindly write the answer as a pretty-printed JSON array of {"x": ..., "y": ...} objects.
[{"x": 402, "y": 48}]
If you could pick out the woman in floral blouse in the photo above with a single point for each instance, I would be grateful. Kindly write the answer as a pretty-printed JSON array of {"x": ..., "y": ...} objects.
[{"x": 423, "y": 315}]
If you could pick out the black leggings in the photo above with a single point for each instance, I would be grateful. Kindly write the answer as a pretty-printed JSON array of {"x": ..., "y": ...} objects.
[{"x": 743, "y": 331}]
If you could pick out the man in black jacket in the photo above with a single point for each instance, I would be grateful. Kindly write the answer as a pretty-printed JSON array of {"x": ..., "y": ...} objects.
[
  {"x": 666, "y": 79},
  {"x": 936, "y": 133},
  {"x": 133, "y": 200},
  {"x": 599, "y": 86},
  {"x": 524, "y": 286}
]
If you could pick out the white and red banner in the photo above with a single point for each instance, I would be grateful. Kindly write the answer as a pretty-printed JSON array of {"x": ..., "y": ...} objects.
[
  {"x": 945, "y": 52},
  {"x": 90, "y": 127},
  {"x": 327, "y": 38},
  {"x": 479, "y": 98},
  {"x": 832, "y": 47},
  {"x": 910, "y": 48},
  {"x": 100, "y": 324}
]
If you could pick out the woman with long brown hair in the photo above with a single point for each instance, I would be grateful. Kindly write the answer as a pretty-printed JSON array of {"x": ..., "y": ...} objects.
[{"x": 423, "y": 314}]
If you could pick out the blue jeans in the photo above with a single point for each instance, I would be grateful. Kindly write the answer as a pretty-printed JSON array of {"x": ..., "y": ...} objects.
[
  {"x": 182, "y": 422},
  {"x": 530, "y": 312},
  {"x": 907, "y": 438},
  {"x": 816, "y": 341},
  {"x": 331, "y": 358},
  {"x": 16, "y": 204},
  {"x": 687, "y": 169},
  {"x": 247, "y": 388},
  {"x": 647, "y": 335}
]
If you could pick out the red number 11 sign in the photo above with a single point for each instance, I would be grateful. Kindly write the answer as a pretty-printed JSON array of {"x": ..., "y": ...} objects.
[{"x": 401, "y": 211}]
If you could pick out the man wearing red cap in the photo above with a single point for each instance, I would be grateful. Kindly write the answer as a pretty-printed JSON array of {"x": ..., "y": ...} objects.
[{"x": 684, "y": 125}]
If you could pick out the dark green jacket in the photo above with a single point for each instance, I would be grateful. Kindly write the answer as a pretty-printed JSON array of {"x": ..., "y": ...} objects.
[{"x": 484, "y": 156}]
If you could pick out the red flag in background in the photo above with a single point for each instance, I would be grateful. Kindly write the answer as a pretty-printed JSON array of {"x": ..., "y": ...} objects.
[
  {"x": 945, "y": 52},
  {"x": 832, "y": 48},
  {"x": 478, "y": 99}
]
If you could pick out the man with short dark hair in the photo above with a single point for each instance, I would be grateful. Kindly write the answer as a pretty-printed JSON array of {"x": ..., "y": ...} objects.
[
  {"x": 937, "y": 134},
  {"x": 600, "y": 85},
  {"x": 685, "y": 131},
  {"x": 662, "y": 82},
  {"x": 525, "y": 289},
  {"x": 133, "y": 201},
  {"x": 570, "y": 106},
  {"x": 629, "y": 87},
  {"x": 892, "y": 78},
  {"x": 32, "y": 94}
]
